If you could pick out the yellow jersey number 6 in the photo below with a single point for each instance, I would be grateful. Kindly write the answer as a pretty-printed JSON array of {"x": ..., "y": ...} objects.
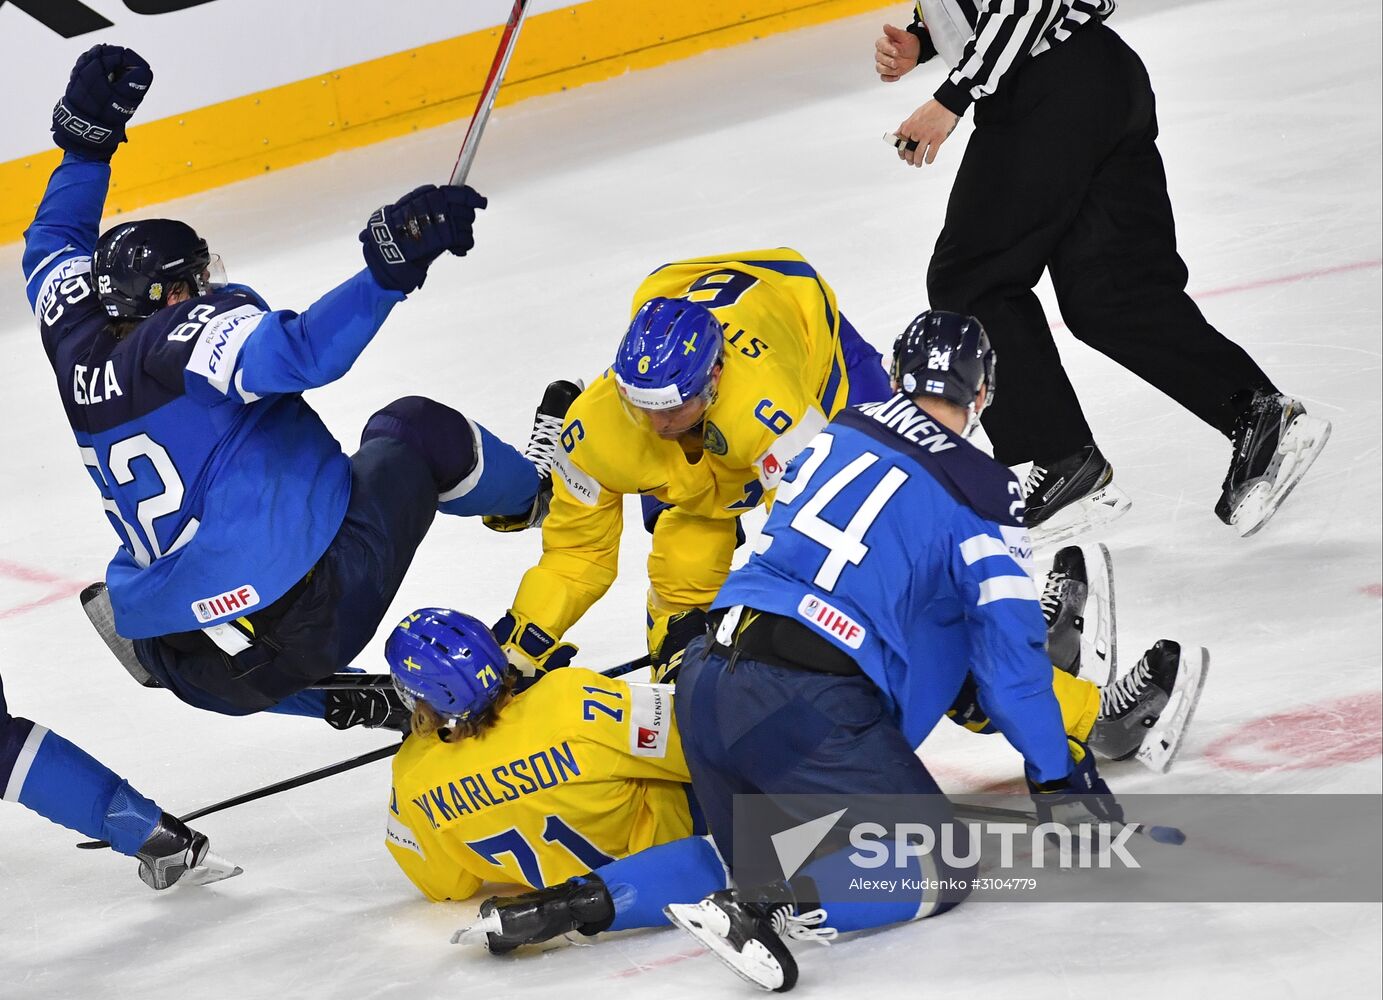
[{"x": 778, "y": 421}]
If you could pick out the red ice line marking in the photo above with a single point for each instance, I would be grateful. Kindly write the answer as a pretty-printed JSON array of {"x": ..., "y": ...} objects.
[
  {"x": 52, "y": 598},
  {"x": 642, "y": 967},
  {"x": 1372, "y": 590},
  {"x": 1258, "y": 861},
  {"x": 1344, "y": 731},
  {"x": 30, "y": 574},
  {"x": 1283, "y": 279}
]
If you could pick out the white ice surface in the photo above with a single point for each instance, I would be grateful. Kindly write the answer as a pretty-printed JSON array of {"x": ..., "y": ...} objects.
[{"x": 1270, "y": 116}]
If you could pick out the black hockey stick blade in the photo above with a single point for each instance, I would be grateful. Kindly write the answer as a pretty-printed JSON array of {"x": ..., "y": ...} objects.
[
  {"x": 487, "y": 94},
  {"x": 379, "y": 753}
]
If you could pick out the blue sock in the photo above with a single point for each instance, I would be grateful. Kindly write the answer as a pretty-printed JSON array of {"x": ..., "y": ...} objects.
[
  {"x": 834, "y": 873},
  {"x": 683, "y": 871},
  {"x": 502, "y": 482},
  {"x": 312, "y": 704},
  {"x": 864, "y": 365},
  {"x": 68, "y": 786}
]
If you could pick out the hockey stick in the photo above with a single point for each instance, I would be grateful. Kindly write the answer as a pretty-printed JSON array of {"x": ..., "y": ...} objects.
[
  {"x": 379, "y": 753},
  {"x": 1161, "y": 834},
  {"x": 354, "y": 681},
  {"x": 628, "y": 668},
  {"x": 487, "y": 95}
]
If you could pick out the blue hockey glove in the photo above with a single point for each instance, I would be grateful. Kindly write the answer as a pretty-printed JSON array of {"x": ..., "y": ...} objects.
[
  {"x": 107, "y": 84},
  {"x": 401, "y": 240},
  {"x": 529, "y": 648},
  {"x": 1081, "y": 797}
]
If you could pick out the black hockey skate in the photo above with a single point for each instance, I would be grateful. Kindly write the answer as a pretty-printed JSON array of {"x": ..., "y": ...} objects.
[
  {"x": 1078, "y": 604},
  {"x": 542, "y": 452},
  {"x": 173, "y": 853},
  {"x": 749, "y": 936},
  {"x": 1071, "y": 496},
  {"x": 1275, "y": 442},
  {"x": 96, "y": 603},
  {"x": 1147, "y": 712},
  {"x": 373, "y": 708},
  {"x": 582, "y": 905}
]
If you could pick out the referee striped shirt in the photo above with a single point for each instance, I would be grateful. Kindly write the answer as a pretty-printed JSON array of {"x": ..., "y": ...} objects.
[{"x": 986, "y": 40}]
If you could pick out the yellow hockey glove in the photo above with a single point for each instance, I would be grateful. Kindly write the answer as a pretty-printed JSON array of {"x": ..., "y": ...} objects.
[{"x": 530, "y": 649}]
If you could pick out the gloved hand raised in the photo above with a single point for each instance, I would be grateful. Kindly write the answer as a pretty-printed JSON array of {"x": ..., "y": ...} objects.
[
  {"x": 401, "y": 240},
  {"x": 106, "y": 87}
]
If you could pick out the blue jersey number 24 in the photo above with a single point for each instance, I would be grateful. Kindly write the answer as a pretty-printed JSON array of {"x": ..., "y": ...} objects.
[{"x": 844, "y": 545}]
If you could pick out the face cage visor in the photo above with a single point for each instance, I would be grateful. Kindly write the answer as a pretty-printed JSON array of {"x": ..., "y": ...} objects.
[
  {"x": 657, "y": 410},
  {"x": 976, "y": 410},
  {"x": 211, "y": 278},
  {"x": 410, "y": 702}
]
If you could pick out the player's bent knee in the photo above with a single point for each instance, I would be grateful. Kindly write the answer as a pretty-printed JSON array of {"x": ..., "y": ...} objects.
[{"x": 442, "y": 436}]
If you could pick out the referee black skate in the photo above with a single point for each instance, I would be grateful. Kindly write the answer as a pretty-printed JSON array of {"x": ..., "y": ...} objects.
[{"x": 1062, "y": 172}]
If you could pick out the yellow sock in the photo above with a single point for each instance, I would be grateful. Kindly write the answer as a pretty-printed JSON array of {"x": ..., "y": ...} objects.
[{"x": 1079, "y": 701}]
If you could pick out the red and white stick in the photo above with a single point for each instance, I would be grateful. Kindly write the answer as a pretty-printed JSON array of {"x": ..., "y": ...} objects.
[{"x": 487, "y": 96}]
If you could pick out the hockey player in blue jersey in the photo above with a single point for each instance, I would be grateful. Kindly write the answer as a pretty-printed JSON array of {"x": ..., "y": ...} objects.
[
  {"x": 62, "y": 783},
  {"x": 891, "y": 569},
  {"x": 255, "y": 557}
]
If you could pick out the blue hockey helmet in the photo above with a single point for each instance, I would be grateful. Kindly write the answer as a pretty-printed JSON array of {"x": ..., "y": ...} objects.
[
  {"x": 136, "y": 265},
  {"x": 945, "y": 354},
  {"x": 668, "y": 360},
  {"x": 447, "y": 659}
]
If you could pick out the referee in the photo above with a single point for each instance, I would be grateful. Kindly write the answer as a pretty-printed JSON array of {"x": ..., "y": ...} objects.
[{"x": 1062, "y": 172}]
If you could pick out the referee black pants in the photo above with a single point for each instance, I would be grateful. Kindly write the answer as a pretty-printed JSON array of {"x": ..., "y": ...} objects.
[{"x": 1062, "y": 171}]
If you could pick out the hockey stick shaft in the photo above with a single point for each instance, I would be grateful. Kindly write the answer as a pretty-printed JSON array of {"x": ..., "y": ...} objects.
[
  {"x": 487, "y": 95},
  {"x": 341, "y": 681},
  {"x": 340, "y": 767},
  {"x": 355, "y": 681},
  {"x": 628, "y": 668},
  {"x": 1161, "y": 834}
]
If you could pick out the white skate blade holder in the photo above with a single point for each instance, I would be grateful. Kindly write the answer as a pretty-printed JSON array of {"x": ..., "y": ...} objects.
[
  {"x": 1164, "y": 739},
  {"x": 213, "y": 868},
  {"x": 1086, "y": 514},
  {"x": 708, "y": 924},
  {"x": 477, "y": 932},
  {"x": 1298, "y": 448},
  {"x": 1099, "y": 640}
]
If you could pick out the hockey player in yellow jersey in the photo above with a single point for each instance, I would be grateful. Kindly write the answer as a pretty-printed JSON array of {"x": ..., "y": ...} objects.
[
  {"x": 732, "y": 363},
  {"x": 532, "y": 788}
]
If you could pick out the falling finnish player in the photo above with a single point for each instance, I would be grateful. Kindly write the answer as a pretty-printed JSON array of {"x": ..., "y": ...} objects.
[{"x": 185, "y": 396}]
